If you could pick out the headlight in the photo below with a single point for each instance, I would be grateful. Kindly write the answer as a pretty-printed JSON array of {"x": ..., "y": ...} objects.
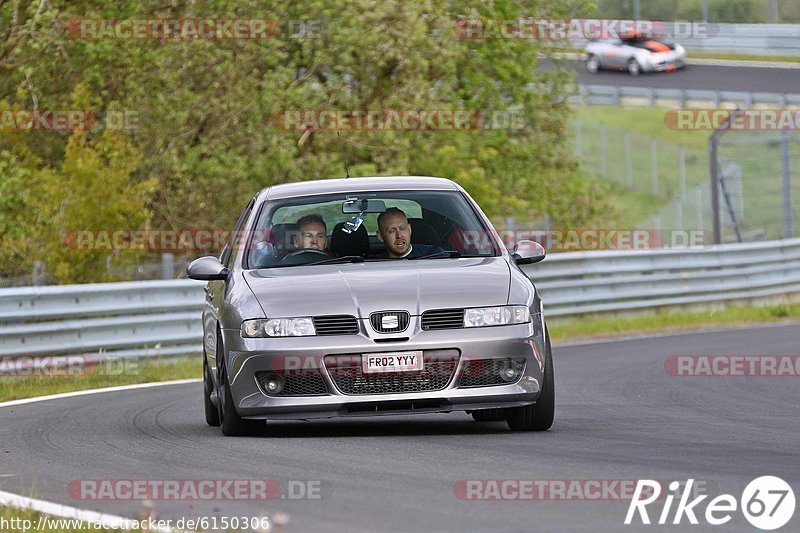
[
  {"x": 278, "y": 327},
  {"x": 496, "y": 316}
]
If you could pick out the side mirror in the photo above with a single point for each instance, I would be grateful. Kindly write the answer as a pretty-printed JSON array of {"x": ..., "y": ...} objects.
[
  {"x": 207, "y": 268},
  {"x": 527, "y": 252}
]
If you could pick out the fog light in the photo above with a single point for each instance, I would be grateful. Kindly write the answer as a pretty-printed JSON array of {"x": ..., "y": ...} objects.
[
  {"x": 274, "y": 384},
  {"x": 510, "y": 372}
]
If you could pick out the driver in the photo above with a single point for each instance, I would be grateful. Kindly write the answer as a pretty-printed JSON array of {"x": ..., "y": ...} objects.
[
  {"x": 312, "y": 233},
  {"x": 394, "y": 232}
]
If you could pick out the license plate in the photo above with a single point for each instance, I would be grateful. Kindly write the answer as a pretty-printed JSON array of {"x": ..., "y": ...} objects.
[{"x": 374, "y": 363}]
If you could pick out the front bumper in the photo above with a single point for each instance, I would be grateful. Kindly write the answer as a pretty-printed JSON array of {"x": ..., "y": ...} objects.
[
  {"x": 667, "y": 64},
  {"x": 246, "y": 357}
]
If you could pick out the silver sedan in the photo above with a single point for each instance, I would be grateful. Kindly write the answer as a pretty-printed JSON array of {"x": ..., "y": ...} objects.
[{"x": 372, "y": 296}]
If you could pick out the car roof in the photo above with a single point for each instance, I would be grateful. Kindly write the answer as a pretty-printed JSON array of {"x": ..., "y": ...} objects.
[{"x": 340, "y": 185}]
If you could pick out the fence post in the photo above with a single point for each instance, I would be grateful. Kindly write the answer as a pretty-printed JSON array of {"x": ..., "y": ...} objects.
[
  {"x": 682, "y": 170},
  {"x": 628, "y": 161},
  {"x": 38, "y": 277},
  {"x": 603, "y": 151},
  {"x": 654, "y": 164},
  {"x": 787, "y": 186},
  {"x": 167, "y": 266},
  {"x": 699, "y": 206}
]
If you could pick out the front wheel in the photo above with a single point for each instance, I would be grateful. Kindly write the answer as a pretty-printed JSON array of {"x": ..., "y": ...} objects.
[
  {"x": 231, "y": 423},
  {"x": 539, "y": 416},
  {"x": 633, "y": 68},
  {"x": 212, "y": 414},
  {"x": 592, "y": 64}
]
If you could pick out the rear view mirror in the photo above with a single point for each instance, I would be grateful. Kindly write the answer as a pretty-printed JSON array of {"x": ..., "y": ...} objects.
[
  {"x": 527, "y": 252},
  {"x": 363, "y": 205}
]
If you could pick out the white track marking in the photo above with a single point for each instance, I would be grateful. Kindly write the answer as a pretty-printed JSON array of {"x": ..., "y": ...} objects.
[
  {"x": 64, "y": 511},
  {"x": 37, "y": 399}
]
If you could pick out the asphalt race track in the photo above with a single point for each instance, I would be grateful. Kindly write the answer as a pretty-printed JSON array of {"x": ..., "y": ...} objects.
[
  {"x": 620, "y": 416},
  {"x": 703, "y": 77}
]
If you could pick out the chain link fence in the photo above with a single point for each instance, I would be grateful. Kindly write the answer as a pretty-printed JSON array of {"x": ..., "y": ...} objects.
[
  {"x": 759, "y": 192},
  {"x": 669, "y": 184},
  {"x": 665, "y": 185}
]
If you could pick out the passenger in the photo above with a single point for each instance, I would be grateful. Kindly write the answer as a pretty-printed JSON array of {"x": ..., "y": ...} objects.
[
  {"x": 312, "y": 233},
  {"x": 394, "y": 232}
]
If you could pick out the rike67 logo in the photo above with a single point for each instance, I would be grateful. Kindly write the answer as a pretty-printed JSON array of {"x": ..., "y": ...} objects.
[{"x": 767, "y": 502}]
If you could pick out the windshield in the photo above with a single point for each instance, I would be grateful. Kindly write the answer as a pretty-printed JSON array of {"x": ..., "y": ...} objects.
[{"x": 367, "y": 226}]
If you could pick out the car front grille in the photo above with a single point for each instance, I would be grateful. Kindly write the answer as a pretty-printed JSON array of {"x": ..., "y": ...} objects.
[
  {"x": 486, "y": 372},
  {"x": 443, "y": 319},
  {"x": 377, "y": 321},
  {"x": 348, "y": 376},
  {"x": 296, "y": 383},
  {"x": 336, "y": 325}
]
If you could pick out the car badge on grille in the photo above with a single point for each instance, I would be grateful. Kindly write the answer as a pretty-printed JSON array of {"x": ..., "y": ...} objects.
[{"x": 390, "y": 321}]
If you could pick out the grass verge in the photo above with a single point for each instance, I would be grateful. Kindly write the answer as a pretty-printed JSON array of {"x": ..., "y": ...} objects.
[
  {"x": 140, "y": 371},
  {"x": 597, "y": 326},
  {"x": 697, "y": 54}
]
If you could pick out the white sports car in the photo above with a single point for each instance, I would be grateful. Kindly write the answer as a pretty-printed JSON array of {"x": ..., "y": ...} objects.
[{"x": 635, "y": 54}]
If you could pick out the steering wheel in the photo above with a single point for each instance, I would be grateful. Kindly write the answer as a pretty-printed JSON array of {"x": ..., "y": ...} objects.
[{"x": 308, "y": 253}]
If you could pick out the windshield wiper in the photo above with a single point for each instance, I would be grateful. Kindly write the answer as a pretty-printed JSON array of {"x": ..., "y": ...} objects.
[
  {"x": 343, "y": 259},
  {"x": 444, "y": 254}
]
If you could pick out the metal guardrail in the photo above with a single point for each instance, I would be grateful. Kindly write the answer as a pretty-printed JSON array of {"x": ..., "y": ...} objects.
[
  {"x": 162, "y": 318},
  {"x": 576, "y": 283},
  {"x": 758, "y": 39},
  {"x": 615, "y": 95}
]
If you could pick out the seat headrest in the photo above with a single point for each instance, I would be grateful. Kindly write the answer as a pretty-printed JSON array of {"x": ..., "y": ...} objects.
[
  {"x": 423, "y": 233},
  {"x": 356, "y": 243}
]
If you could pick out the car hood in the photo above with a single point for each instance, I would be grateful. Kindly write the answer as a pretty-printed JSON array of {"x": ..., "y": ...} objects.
[{"x": 359, "y": 289}]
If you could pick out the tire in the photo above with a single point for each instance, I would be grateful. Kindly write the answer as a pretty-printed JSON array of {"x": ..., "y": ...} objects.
[
  {"x": 212, "y": 414},
  {"x": 633, "y": 67},
  {"x": 539, "y": 416},
  {"x": 231, "y": 423},
  {"x": 592, "y": 64},
  {"x": 489, "y": 415}
]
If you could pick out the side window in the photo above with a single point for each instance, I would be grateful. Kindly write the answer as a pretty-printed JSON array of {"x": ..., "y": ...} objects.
[{"x": 227, "y": 252}]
